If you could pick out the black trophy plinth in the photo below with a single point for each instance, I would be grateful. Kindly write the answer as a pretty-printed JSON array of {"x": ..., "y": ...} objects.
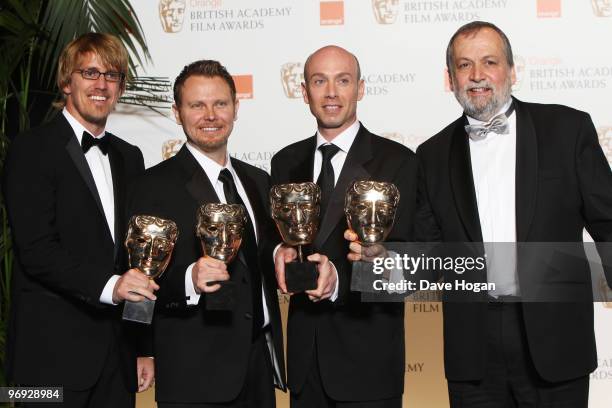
[
  {"x": 222, "y": 299},
  {"x": 363, "y": 277},
  {"x": 301, "y": 276},
  {"x": 141, "y": 312}
]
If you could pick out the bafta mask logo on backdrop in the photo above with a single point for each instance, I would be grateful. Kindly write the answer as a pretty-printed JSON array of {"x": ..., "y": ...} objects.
[
  {"x": 292, "y": 76},
  {"x": 385, "y": 11},
  {"x": 171, "y": 147},
  {"x": 602, "y": 8},
  {"x": 244, "y": 86},
  {"x": 172, "y": 15},
  {"x": 549, "y": 8},
  {"x": 411, "y": 141},
  {"x": 605, "y": 140},
  {"x": 519, "y": 68},
  {"x": 331, "y": 12}
]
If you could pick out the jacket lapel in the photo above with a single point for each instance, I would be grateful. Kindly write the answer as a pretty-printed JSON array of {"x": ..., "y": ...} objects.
[
  {"x": 197, "y": 183},
  {"x": 303, "y": 171},
  {"x": 250, "y": 187},
  {"x": 76, "y": 154},
  {"x": 359, "y": 153},
  {"x": 117, "y": 165},
  {"x": 526, "y": 170},
  {"x": 462, "y": 182}
]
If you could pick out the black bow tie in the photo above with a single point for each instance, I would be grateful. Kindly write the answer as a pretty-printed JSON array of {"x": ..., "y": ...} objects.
[{"x": 88, "y": 141}]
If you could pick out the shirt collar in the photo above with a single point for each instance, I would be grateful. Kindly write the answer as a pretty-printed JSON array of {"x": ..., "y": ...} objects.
[
  {"x": 503, "y": 109},
  {"x": 77, "y": 127},
  {"x": 344, "y": 140},
  {"x": 210, "y": 167}
]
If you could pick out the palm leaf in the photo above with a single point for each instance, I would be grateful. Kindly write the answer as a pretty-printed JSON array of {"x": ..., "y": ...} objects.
[{"x": 64, "y": 20}]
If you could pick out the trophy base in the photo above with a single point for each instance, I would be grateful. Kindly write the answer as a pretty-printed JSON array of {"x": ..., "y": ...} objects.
[
  {"x": 301, "y": 276},
  {"x": 222, "y": 299},
  {"x": 363, "y": 277},
  {"x": 140, "y": 312}
]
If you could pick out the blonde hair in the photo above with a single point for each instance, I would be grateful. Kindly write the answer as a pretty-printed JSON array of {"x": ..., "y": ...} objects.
[{"x": 108, "y": 48}]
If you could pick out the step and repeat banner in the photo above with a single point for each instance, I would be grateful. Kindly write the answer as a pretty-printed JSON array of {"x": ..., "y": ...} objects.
[{"x": 562, "y": 55}]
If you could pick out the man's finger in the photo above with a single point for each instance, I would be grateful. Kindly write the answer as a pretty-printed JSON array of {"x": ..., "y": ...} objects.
[
  {"x": 279, "y": 268},
  {"x": 349, "y": 235},
  {"x": 138, "y": 295}
]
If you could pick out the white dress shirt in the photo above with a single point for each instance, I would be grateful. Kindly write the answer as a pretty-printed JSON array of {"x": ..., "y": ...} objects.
[
  {"x": 344, "y": 141},
  {"x": 494, "y": 169},
  {"x": 212, "y": 170},
  {"x": 99, "y": 165}
]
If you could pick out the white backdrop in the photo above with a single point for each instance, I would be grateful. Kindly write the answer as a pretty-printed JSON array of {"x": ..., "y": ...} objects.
[{"x": 562, "y": 51}]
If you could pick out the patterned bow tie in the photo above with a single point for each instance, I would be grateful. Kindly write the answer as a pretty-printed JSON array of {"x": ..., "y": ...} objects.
[{"x": 499, "y": 124}]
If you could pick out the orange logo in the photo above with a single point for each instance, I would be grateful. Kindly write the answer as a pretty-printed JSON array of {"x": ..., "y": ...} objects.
[
  {"x": 332, "y": 12},
  {"x": 171, "y": 147},
  {"x": 549, "y": 8},
  {"x": 602, "y": 8},
  {"x": 244, "y": 86}
]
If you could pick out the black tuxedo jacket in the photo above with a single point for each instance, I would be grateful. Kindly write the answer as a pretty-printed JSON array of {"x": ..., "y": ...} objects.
[
  {"x": 360, "y": 346},
  {"x": 59, "y": 331},
  {"x": 563, "y": 184},
  {"x": 201, "y": 356}
]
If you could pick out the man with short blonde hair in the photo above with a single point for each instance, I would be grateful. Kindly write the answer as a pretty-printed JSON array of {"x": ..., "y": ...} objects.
[{"x": 65, "y": 184}]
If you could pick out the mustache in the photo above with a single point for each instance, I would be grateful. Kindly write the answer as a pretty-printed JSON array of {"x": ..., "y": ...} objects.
[{"x": 482, "y": 84}]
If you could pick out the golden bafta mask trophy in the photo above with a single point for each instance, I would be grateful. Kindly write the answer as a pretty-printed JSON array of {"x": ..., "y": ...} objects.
[
  {"x": 220, "y": 228},
  {"x": 295, "y": 209},
  {"x": 370, "y": 208},
  {"x": 149, "y": 243}
]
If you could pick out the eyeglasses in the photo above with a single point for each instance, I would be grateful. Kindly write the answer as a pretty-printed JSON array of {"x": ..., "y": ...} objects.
[{"x": 93, "y": 74}]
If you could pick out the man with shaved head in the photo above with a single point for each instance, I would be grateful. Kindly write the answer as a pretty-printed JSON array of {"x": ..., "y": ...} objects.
[{"x": 342, "y": 352}]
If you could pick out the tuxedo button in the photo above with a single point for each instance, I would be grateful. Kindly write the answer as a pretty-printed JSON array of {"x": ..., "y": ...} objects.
[{"x": 248, "y": 316}]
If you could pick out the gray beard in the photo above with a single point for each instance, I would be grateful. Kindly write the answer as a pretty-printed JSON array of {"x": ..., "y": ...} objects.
[{"x": 487, "y": 111}]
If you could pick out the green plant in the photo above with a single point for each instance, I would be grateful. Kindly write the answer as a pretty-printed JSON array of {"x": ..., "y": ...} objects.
[{"x": 33, "y": 34}]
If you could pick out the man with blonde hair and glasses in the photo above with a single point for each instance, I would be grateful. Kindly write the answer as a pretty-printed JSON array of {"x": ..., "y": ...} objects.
[{"x": 65, "y": 187}]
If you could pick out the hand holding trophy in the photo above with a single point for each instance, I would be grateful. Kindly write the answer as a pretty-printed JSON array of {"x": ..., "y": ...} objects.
[
  {"x": 220, "y": 229},
  {"x": 370, "y": 208},
  {"x": 149, "y": 242},
  {"x": 295, "y": 209}
]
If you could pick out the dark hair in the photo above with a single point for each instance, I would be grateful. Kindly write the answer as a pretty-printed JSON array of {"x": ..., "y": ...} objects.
[
  {"x": 473, "y": 28},
  {"x": 205, "y": 68}
]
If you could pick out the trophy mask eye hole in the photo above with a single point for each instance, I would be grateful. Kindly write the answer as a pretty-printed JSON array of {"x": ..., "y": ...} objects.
[
  {"x": 360, "y": 208},
  {"x": 162, "y": 244},
  {"x": 307, "y": 207},
  {"x": 141, "y": 240},
  {"x": 286, "y": 209},
  {"x": 235, "y": 228},
  {"x": 212, "y": 229},
  {"x": 384, "y": 208}
]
